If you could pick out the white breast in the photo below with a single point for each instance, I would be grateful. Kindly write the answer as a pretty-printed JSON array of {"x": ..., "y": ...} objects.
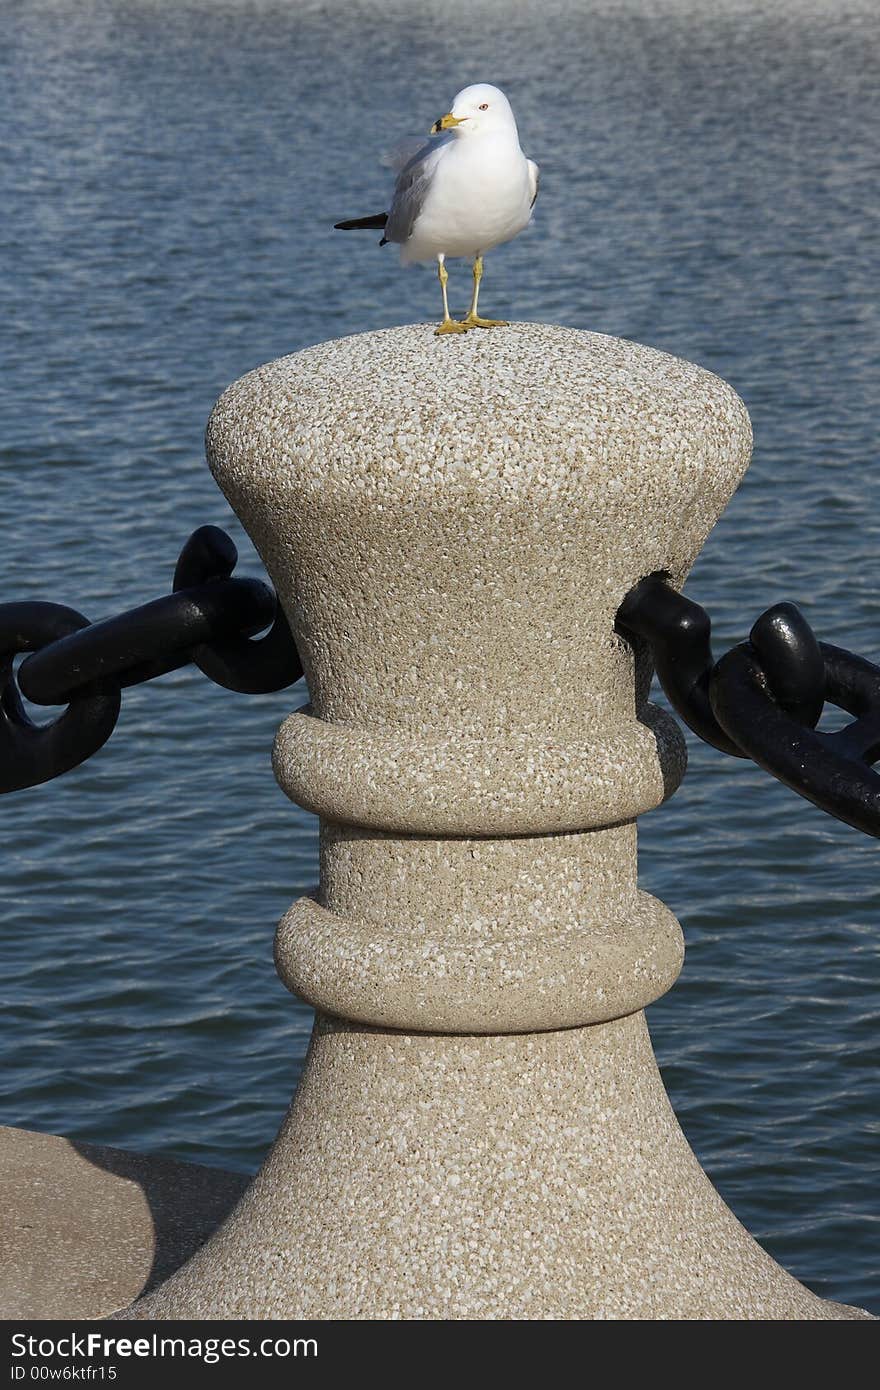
[{"x": 480, "y": 196}]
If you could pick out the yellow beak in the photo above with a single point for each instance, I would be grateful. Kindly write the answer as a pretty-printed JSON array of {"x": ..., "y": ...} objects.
[{"x": 446, "y": 123}]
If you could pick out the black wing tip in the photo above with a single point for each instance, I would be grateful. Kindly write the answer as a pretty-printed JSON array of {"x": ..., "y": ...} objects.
[{"x": 352, "y": 224}]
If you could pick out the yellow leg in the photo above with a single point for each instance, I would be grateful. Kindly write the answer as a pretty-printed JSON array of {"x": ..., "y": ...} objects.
[
  {"x": 449, "y": 324},
  {"x": 473, "y": 319}
]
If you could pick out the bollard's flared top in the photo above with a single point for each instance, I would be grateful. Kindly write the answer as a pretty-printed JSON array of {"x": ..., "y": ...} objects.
[{"x": 451, "y": 525}]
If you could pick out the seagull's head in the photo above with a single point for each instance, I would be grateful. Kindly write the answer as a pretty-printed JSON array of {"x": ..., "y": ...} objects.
[{"x": 480, "y": 108}]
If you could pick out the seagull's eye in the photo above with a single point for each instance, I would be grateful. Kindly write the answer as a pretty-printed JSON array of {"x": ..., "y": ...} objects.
[{"x": 484, "y": 106}]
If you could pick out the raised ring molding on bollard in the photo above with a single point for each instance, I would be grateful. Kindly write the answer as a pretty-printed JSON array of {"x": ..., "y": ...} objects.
[{"x": 480, "y": 1130}]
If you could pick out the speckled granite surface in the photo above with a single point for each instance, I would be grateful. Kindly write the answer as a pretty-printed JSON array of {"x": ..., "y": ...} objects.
[
  {"x": 529, "y": 1176},
  {"x": 481, "y": 1131}
]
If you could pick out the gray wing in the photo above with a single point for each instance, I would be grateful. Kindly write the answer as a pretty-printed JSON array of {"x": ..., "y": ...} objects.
[{"x": 412, "y": 187}]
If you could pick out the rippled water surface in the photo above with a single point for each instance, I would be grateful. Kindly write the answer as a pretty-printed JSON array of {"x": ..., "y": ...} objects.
[{"x": 709, "y": 186}]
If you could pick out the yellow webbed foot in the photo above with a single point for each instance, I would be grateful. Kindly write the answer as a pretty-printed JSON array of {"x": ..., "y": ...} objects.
[
  {"x": 451, "y": 326},
  {"x": 474, "y": 321}
]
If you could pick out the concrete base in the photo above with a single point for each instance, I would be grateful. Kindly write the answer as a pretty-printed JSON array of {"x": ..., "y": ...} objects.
[
  {"x": 84, "y": 1229},
  {"x": 526, "y": 1176}
]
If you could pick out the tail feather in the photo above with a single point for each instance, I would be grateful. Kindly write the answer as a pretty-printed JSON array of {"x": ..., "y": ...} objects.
[{"x": 358, "y": 223}]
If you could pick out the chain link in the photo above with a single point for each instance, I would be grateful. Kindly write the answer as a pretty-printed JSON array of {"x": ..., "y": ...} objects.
[
  {"x": 764, "y": 698},
  {"x": 210, "y": 619}
]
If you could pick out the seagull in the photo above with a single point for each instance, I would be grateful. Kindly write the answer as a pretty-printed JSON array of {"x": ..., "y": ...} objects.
[{"x": 465, "y": 189}]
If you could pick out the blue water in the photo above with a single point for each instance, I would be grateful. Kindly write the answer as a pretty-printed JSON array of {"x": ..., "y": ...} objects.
[{"x": 709, "y": 186}]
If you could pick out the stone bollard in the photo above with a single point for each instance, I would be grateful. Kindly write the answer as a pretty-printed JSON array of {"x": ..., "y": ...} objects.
[{"x": 480, "y": 1130}]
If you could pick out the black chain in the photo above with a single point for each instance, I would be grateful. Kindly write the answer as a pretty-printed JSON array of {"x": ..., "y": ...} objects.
[
  {"x": 764, "y": 698},
  {"x": 209, "y": 619}
]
